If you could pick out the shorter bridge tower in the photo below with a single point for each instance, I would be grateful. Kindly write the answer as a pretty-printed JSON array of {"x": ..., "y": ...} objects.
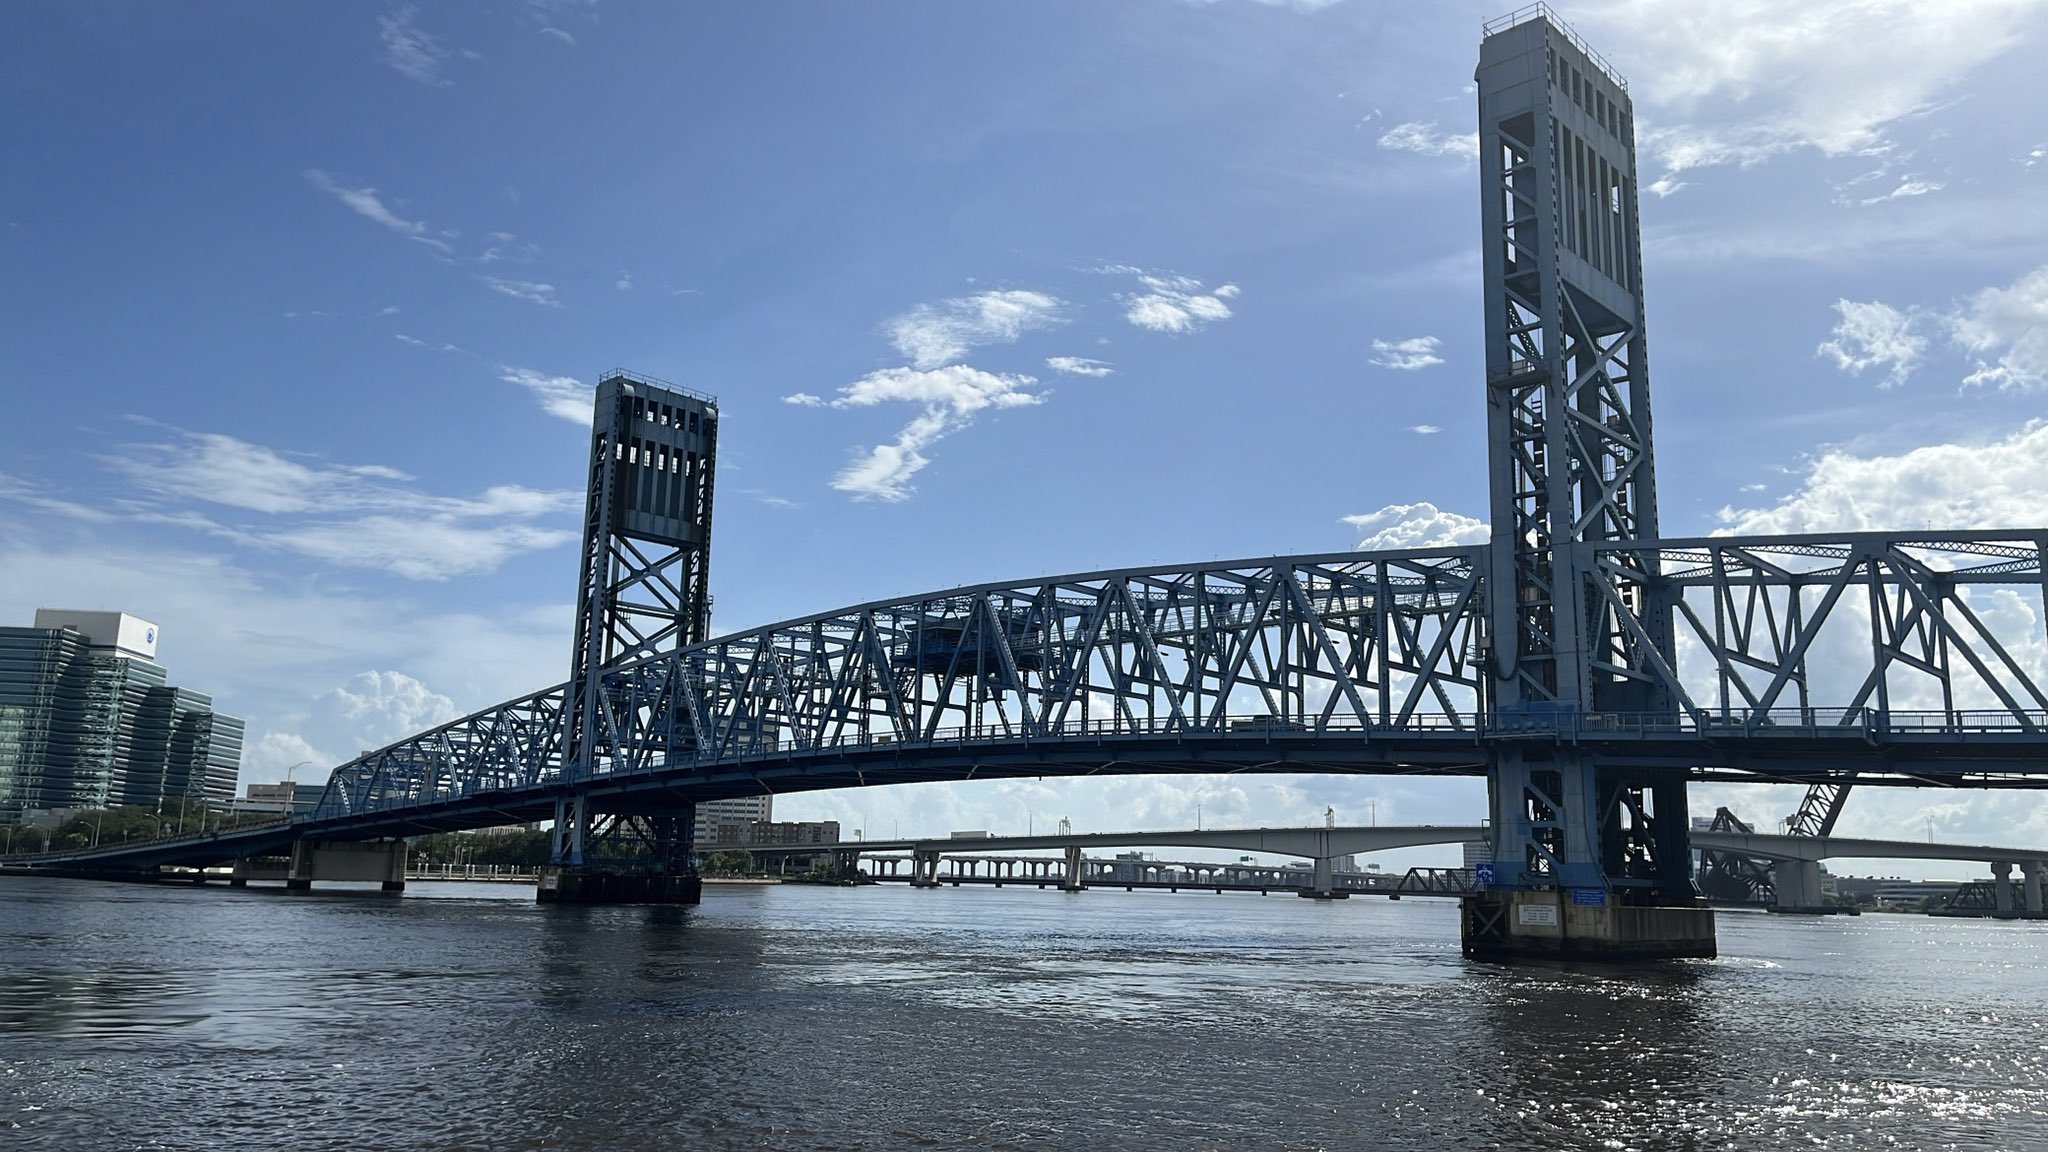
[{"x": 643, "y": 583}]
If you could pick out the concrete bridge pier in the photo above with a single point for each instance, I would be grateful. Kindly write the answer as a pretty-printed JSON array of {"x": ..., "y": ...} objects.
[
  {"x": 1798, "y": 887},
  {"x": 1322, "y": 885},
  {"x": 1072, "y": 880},
  {"x": 924, "y": 869},
  {"x": 2030, "y": 887},
  {"x": 381, "y": 861},
  {"x": 2001, "y": 889}
]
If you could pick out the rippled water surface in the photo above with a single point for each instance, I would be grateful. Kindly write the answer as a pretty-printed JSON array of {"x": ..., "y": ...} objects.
[{"x": 463, "y": 1016}]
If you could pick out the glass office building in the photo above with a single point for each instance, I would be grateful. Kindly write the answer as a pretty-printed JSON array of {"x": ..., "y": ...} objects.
[{"x": 89, "y": 720}]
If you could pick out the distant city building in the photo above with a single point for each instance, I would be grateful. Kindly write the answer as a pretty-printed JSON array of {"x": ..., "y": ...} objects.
[
  {"x": 1477, "y": 852},
  {"x": 740, "y": 812},
  {"x": 769, "y": 833},
  {"x": 288, "y": 798},
  {"x": 88, "y": 720}
]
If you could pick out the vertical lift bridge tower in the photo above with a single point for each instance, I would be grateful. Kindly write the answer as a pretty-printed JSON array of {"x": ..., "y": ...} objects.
[
  {"x": 1589, "y": 857},
  {"x": 643, "y": 581}
]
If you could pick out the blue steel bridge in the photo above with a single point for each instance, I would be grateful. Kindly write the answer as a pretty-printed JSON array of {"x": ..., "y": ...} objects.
[{"x": 1582, "y": 663}]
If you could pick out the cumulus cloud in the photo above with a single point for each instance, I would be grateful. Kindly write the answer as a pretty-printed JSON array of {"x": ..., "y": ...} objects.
[
  {"x": 1424, "y": 429},
  {"x": 932, "y": 335},
  {"x": 804, "y": 400},
  {"x": 1406, "y": 355},
  {"x": 1172, "y": 303},
  {"x": 1999, "y": 484},
  {"x": 561, "y": 396},
  {"x": 949, "y": 398},
  {"x": 1741, "y": 81},
  {"x": 1077, "y": 366},
  {"x": 1418, "y": 525},
  {"x": 1424, "y": 138},
  {"x": 1872, "y": 334},
  {"x": 2007, "y": 330}
]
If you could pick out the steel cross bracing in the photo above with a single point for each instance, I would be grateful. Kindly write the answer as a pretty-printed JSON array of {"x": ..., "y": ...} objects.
[{"x": 1887, "y": 658}]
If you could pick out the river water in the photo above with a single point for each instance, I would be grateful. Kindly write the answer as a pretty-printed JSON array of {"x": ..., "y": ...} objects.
[{"x": 464, "y": 1016}]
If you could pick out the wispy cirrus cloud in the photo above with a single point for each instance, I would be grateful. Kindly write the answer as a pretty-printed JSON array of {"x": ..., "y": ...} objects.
[
  {"x": 1078, "y": 366},
  {"x": 361, "y": 516},
  {"x": 529, "y": 290},
  {"x": 412, "y": 51},
  {"x": 366, "y": 202},
  {"x": 1406, "y": 355},
  {"x": 563, "y": 397},
  {"x": 1425, "y": 138},
  {"x": 1773, "y": 80}
]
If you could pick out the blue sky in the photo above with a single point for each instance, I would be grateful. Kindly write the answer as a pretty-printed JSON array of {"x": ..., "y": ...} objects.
[{"x": 296, "y": 299}]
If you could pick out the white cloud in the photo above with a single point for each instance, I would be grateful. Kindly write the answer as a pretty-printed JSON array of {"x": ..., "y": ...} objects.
[
  {"x": 2007, "y": 330},
  {"x": 949, "y": 397},
  {"x": 1999, "y": 484},
  {"x": 359, "y": 516},
  {"x": 1871, "y": 334},
  {"x": 1426, "y": 139},
  {"x": 523, "y": 290},
  {"x": 625, "y": 282},
  {"x": 558, "y": 34},
  {"x": 804, "y": 400},
  {"x": 1909, "y": 186},
  {"x": 1078, "y": 366},
  {"x": 1424, "y": 429},
  {"x": 935, "y": 335},
  {"x": 413, "y": 52},
  {"x": 1406, "y": 355},
  {"x": 1830, "y": 75},
  {"x": 1173, "y": 303},
  {"x": 561, "y": 396},
  {"x": 1418, "y": 525},
  {"x": 369, "y": 205}
]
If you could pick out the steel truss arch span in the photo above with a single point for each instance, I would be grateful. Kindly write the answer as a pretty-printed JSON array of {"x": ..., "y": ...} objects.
[{"x": 1918, "y": 655}]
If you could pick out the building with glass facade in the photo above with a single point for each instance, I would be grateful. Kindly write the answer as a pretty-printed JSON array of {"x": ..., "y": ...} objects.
[{"x": 89, "y": 720}]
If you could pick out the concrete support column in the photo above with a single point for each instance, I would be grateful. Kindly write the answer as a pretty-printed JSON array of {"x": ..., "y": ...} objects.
[
  {"x": 1798, "y": 885},
  {"x": 2030, "y": 886},
  {"x": 2001, "y": 888},
  {"x": 924, "y": 870},
  {"x": 1074, "y": 880}
]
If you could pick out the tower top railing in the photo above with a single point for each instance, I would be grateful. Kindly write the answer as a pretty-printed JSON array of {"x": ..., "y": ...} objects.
[
  {"x": 1542, "y": 11},
  {"x": 658, "y": 382}
]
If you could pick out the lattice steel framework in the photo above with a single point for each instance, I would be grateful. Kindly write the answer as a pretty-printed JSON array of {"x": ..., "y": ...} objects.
[
  {"x": 1570, "y": 460},
  {"x": 1886, "y": 658},
  {"x": 643, "y": 581}
]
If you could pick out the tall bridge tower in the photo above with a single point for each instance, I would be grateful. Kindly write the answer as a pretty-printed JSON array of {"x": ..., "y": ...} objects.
[
  {"x": 1588, "y": 856},
  {"x": 643, "y": 582}
]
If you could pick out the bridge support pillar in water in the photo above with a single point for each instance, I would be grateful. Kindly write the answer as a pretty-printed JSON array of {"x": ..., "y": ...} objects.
[
  {"x": 1322, "y": 883},
  {"x": 2030, "y": 886},
  {"x": 567, "y": 884},
  {"x": 1797, "y": 884},
  {"x": 1590, "y": 862},
  {"x": 377, "y": 861},
  {"x": 1072, "y": 879}
]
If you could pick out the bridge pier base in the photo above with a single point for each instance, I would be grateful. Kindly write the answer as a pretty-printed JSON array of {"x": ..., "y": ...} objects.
[
  {"x": 1797, "y": 883},
  {"x": 1322, "y": 884},
  {"x": 564, "y": 884},
  {"x": 1517, "y": 925},
  {"x": 377, "y": 861}
]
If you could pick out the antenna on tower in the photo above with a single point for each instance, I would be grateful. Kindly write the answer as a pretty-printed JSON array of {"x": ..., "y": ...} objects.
[{"x": 1329, "y": 817}]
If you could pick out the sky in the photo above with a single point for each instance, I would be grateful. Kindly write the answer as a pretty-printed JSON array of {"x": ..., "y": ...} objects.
[{"x": 301, "y": 306}]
